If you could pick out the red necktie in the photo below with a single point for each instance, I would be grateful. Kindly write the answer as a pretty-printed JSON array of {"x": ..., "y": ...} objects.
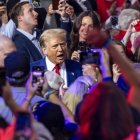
[{"x": 57, "y": 68}]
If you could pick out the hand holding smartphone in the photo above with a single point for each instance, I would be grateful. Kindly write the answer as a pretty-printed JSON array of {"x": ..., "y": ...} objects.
[
  {"x": 38, "y": 76},
  {"x": 23, "y": 128}
]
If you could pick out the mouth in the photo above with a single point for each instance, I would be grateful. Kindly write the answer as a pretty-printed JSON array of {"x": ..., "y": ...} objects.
[
  {"x": 60, "y": 56},
  {"x": 35, "y": 19},
  {"x": 85, "y": 33}
]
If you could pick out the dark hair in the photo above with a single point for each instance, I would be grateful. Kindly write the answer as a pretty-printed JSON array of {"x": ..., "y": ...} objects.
[
  {"x": 17, "y": 10},
  {"x": 77, "y": 25},
  {"x": 105, "y": 114}
]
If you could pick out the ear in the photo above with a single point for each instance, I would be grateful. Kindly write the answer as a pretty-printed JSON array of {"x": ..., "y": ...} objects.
[
  {"x": 19, "y": 18},
  {"x": 44, "y": 50}
]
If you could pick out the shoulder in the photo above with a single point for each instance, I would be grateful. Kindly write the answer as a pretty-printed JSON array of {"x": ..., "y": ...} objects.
[
  {"x": 40, "y": 62},
  {"x": 18, "y": 36},
  {"x": 73, "y": 64}
]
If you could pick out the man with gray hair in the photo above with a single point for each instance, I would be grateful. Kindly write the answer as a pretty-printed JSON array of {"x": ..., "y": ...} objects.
[
  {"x": 6, "y": 47},
  {"x": 54, "y": 48},
  {"x": 126, "y": 17}
]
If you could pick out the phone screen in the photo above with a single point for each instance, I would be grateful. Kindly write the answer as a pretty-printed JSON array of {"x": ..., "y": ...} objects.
[{"x": 38, "y": 77}]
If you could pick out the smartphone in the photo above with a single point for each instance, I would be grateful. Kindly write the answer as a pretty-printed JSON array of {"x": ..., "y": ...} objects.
[
  {"x": 38, "y": 73},
  {"x": 38, "y": 76},
  {"x": 2, "y": 79},
  {"x": 23, "y": 127},
  {"x": 55, "y": 4},
  {"x": 2, "y": 2},
  {"x": 90, "y": 57}
]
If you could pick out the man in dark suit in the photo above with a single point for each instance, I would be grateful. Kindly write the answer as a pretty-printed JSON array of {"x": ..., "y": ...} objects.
[
  {"x": 26, "y": 38},
  {"x": 54, "y": 48}
]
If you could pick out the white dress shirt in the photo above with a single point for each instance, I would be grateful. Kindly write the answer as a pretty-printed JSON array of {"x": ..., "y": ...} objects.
[
  {"x": 8, "y": 29},
  {"x": 33, "y": 39},
  {"x": 63, "y": 72}
]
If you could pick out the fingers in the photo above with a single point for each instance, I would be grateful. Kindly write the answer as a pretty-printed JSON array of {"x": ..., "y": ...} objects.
[
  {"x": 116, "y": 69},
  {"x": 62, "y": 2},
  {"x": 2, "y": 10},
  {"x": 29, "y": 81},
  {"x": 135, "y": 22},
  {"x": 75, "y": 55},
  {"x": 87, "y": 69}
]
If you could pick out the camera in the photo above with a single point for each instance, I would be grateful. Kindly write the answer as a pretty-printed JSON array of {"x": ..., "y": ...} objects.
[
  {"x": 88, "y": 55},
  {"x": 82, "y": 46}
]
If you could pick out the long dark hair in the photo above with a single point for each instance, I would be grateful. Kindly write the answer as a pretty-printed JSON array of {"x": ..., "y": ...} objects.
[
  {"x": 77, "y": 25},
  {"x": 105, "y": 114}
]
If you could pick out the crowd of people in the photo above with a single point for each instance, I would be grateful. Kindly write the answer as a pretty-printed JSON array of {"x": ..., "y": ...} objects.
[{"x": 69, "y": 70}]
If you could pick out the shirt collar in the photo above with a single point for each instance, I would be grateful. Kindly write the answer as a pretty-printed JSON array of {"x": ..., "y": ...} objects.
[
  {"x": 28, "y": 35},
  {"x": 50, "y": 65}
]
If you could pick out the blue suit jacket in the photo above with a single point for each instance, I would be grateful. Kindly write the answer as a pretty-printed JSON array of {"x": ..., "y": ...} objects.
[
  {"x": 73, "y": 68},
  {"x": 23, "y": 44}
]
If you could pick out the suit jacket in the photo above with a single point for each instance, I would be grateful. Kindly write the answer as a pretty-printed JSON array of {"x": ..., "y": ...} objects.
[
  {"x": 23, "y": 44},
  {"x": 73, "y": 69}
]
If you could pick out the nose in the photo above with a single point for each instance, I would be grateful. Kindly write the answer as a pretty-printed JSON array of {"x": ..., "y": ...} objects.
[
  {"x": 35, "y": 13},
  {"x": 59, "y": 48},
  {"x": 86, "y": 28}
]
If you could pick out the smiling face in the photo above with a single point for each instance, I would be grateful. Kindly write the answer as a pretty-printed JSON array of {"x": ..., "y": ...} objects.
[
  {"x": 70, "y": 10},
  {"x": 29, "y": 16},
  {"x": 86, "y": 27},
  {"x": 56, "y": 49}
]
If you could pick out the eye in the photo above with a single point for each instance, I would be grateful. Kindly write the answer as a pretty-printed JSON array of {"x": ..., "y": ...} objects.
[
  {"x": 62, "y": 44},
  {"x": 55, "y": 46},
  {"x": 83, "y": 24},
  {"x": 90, "y": 26}
]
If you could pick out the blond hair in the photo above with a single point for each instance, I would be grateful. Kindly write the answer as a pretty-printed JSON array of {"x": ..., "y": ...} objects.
[
  {"x": 76, "y": 91},
  {"x": 50, "y": 34}
]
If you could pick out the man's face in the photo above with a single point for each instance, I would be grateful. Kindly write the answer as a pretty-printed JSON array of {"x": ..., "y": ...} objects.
[
  {"x": 4, "y": 51},
  {"x": 29, "y": 16},
  {"x": 56, "y": 50}
]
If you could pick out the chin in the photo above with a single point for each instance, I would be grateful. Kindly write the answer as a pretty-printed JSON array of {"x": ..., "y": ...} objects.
[{"x": 60, "y": 61}]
